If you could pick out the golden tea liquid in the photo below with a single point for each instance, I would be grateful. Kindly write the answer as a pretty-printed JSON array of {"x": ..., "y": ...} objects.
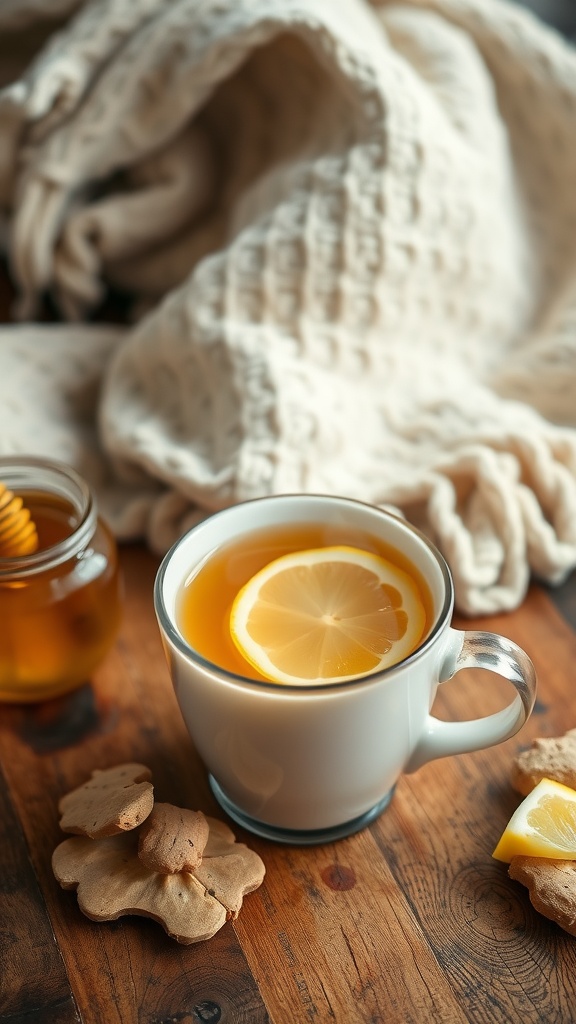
[{"x": 206, "y": 597}]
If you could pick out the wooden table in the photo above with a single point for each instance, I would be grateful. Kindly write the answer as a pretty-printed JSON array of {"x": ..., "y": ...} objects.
[{"x": 409, "y": 921}]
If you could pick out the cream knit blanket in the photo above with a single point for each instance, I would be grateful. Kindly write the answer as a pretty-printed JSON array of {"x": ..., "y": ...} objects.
[{"x": 350, "y": 231}]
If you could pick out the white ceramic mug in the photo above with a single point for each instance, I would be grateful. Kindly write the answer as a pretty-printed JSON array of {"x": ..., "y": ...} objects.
[{"x": 314, "y": 763}]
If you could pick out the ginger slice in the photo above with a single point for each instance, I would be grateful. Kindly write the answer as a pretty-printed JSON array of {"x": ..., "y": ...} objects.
[
  {"x": 551, "y": 886},
  {"x": 229, "y": 870},
  {"x": 112, "y": 881},
  {"x": 113, "y": 800},
  {"x": 172, "y": 839},
  {"x": 553, "y": 758}
]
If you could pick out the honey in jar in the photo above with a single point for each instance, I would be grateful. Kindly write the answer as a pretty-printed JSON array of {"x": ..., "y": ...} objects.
[{"x": 60, "y": 606}]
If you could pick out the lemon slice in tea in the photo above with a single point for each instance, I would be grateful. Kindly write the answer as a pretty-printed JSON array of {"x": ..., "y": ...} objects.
[
  {"x": 544, "y": 825},
  {"x": 327, "y": 615}
]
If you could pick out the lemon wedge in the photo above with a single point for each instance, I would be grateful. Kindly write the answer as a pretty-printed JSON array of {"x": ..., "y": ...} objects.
[
  {"x": 327, "y": 615},
  {"x": 544, "y": 825}
]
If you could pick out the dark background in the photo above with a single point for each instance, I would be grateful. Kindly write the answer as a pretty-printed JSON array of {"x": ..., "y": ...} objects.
[{"x": 561, "y": 13}]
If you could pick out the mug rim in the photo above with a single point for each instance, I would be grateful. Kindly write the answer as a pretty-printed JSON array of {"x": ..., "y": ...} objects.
[{"x": 225, "y": 675}]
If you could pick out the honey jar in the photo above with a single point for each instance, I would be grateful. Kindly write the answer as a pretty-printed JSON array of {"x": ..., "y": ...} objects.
[{"x": 60, "y": 606}]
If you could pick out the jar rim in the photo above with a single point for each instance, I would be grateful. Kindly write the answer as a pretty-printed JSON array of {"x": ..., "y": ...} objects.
[{"x": 38, "y": 474}]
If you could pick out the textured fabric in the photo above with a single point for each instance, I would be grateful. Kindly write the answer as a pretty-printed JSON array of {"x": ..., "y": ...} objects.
[{"x": 349, "y": 235}]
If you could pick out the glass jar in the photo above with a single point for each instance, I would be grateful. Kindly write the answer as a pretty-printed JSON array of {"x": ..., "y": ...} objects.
[{"x": 60, "y": 607}]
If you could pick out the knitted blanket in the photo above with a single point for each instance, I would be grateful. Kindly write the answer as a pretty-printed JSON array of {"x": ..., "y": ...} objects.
[{"x": 348, "y": 236}]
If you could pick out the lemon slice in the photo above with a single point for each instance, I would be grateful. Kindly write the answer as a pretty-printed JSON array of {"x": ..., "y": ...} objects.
[
  {"x": 544, "y": 825},
  {"x": 327, "y": 615}
]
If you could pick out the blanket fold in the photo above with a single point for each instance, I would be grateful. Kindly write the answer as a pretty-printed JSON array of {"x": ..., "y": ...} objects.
[{"x": 347, "y": 231}]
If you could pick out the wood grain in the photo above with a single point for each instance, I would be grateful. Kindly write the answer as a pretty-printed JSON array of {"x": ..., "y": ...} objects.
[
  {"x": 409, "y": 921},
  {"x": 430, "y": 928},
  {"x": 125, "y": 971},
  {"x": 33, "y": 981}
]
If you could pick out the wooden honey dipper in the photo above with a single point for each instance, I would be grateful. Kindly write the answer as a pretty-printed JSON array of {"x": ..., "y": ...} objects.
[{"x": 18, "y": 534}]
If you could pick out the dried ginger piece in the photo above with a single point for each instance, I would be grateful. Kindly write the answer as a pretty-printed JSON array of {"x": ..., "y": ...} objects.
[
  {"x": 551, "y": 886},
  {"x": 172, "y": 839},
  {"x": 553, "y": 758},
  {"x": 226, "y": 872},
  {"x": 112, "y": 881},
  {"x": 113, "y": 800},
  {"x": 551, "y": 883}
]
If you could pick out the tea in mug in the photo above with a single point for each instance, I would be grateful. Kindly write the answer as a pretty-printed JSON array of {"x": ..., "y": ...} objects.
[{"x": 305, "y": 603}]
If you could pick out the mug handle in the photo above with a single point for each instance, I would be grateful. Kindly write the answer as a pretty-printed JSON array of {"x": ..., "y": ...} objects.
[{"x": 476, "y": 649}]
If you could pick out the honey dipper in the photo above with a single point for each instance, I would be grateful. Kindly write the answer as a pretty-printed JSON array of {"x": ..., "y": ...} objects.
[{"x": 18, "y": 534}]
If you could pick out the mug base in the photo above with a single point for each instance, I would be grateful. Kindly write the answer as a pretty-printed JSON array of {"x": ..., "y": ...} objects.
[{"x": 297, "y": 837}]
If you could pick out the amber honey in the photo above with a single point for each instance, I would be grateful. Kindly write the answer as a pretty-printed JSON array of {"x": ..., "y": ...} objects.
[
  {"x": 206, "y": 597},
  {"x": 59, "y": 607}
]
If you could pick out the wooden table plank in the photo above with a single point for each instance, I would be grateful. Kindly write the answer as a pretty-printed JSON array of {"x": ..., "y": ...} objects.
[
  {"x": 33, "y": 982},
  {"x": 450, "y": 936},
  {"x": 563, "y": 598},
  {"x": 125, "y": 971},
  {"x": 409, "y": 921},
  {"x": 341, "y": 940}
]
